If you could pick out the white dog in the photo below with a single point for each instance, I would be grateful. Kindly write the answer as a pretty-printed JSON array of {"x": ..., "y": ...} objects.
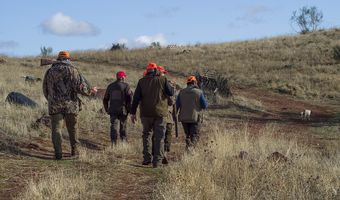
[{"x": 305, "y": 115}]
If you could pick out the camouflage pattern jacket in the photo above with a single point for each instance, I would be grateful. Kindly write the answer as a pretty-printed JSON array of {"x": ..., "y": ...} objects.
[{"x": 61, "y": 85}]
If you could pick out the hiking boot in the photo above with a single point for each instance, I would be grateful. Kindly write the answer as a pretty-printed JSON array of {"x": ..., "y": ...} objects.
[
  {"x": 74, "y": 151},
  {"x": 146, "y": 162},
  {"x": 58, "y": 156},
  {"x": 165, "y": 161},
  {"x": 155, "y": 165}
]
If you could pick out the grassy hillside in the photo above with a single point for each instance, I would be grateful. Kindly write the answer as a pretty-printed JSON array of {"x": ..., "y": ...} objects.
[{"x": 306, "y": 66}]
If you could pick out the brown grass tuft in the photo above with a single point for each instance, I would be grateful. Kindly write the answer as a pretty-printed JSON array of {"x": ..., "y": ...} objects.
[{"x": 216, "y": 171}]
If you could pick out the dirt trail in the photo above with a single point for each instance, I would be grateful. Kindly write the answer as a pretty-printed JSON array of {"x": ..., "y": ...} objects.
[{"x": 131, "y": 180}]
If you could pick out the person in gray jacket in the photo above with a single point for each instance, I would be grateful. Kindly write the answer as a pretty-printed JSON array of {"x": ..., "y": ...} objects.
[{"x": 190, "y": 102}]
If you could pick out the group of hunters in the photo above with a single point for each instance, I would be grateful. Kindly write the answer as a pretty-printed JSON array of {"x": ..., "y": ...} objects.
[{"x": 154, "y": 94}]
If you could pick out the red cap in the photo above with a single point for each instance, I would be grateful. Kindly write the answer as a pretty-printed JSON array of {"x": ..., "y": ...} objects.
[
  {"x": 161, "y": 69},
  {"x": 151, "y": 66},
  {"x": 121, "y": 74}
]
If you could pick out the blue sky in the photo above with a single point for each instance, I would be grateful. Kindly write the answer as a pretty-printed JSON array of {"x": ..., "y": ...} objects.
[{"x": 83, "y": 24}]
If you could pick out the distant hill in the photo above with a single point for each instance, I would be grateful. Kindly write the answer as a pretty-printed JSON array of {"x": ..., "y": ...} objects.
[{"x": 303, "y": 65}]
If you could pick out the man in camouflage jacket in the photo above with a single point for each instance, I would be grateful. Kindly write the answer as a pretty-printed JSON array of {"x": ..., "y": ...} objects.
[{"x": 61, "y": 85}]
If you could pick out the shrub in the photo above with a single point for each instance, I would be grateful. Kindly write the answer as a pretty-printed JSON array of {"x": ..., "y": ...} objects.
[
  {"x": 336, "y": 50},
  {"x": 307, "y": 19},
  {"x": 118, "y": 46},
  {"x": 46, "y": 51}
]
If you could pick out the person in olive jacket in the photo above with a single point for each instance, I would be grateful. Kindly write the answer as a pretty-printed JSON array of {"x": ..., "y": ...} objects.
[{"x": 151, "y": 94}]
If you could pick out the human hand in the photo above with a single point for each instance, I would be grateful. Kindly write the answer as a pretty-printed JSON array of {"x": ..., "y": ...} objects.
[
  {"x": 133, "y": 119},
  {"x": 94, "y": 90}
]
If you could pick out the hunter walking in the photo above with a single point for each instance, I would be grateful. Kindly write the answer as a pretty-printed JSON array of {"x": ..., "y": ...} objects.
[
  {"x": 151, "y": 94},
  {"x": 117, "y": 103},
  {"x": 190, "y": 102},
  {"x": 170, "y": 118},
  {"x": 61, "y": 85}
]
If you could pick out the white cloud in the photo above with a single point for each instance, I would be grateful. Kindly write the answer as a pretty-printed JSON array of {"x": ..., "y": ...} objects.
[
  {"x": 8, "y": 44},
  {"x": 143, "y": 41},
  {"x": 63, "y": 25}
]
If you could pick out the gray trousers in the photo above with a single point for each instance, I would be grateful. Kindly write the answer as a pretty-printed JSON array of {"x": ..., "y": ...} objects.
[{"x": 153, "y": 128}]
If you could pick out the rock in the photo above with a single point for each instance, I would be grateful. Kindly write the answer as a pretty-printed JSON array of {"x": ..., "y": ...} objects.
[
  {"x": 243, "y": 155},
  {"x": 31, "y": 79},
  {"x": 20, "y": 99}
]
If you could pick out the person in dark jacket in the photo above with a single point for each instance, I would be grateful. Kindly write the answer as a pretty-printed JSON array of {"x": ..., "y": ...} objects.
[
  {"x": 190, "y": 102},
  {"x": 151, "y": 94},
  {"x": 117, "y": 103}
]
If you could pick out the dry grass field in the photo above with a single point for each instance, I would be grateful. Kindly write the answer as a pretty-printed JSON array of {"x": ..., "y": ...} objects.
[{"x": 272, "y": 81}]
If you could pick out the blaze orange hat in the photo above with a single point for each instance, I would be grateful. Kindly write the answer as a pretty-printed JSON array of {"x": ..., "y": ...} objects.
[
  {"x": 161, "y": 69},
  {"x": 191, "y": 79},
  {"x": 64, "y": 55},
  {"x": 151, "y": 66}
]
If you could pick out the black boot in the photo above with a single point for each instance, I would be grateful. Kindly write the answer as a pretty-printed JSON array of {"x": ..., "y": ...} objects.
[
  {"x": 165, "y": 161},
  {"x": 58, "y": 156}
]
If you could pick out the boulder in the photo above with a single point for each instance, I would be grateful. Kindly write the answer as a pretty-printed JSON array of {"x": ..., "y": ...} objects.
[{"x": 20, "y": 99}]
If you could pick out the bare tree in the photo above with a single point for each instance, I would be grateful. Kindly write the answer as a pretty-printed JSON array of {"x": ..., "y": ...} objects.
[
  {"x": 308, "y": 19},
  {"x": 46, "y": 51}
]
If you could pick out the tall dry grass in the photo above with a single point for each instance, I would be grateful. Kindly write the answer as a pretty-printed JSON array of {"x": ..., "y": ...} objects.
[
  {"x": 216, "y": 170},
  {"x": 61, "y": 185}
]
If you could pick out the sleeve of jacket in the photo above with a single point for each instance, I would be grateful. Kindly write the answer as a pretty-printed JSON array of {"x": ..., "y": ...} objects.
[
  {"x": 128, "y": 98},
  {"x": 136, "y": 99},
  {"x": 203, "y": 101},
  {"x": 82, "y": 86},
  {"x": 178, "y": 102},
  {"x": 106, "y": 99},
  {"x": 169, "y": 90},
  {"x": 45, "y": 87}
]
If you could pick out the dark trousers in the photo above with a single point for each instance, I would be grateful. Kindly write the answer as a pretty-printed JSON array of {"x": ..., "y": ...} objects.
[
  {"x": 192, "y": 133},
  {"x": 118, "y": 121},
  {"x": 153, "y": 139},
  {"x": 57, "y": 126},
  {"x": 167, "y": 138}
]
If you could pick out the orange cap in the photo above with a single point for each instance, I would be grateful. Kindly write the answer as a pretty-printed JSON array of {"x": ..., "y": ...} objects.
[
  {"x": 191, "y": 79},
  {"x": 151, "y": 66},
  {"x": 64, "y": 55}
]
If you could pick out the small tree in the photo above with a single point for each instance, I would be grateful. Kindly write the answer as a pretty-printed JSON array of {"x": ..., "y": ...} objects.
[
  {"x": 118, "y": 46},
  {"x": 46, "y": 51},
  {"x": 155, "y": 45},
  {"x": 308, "y": 19}
]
